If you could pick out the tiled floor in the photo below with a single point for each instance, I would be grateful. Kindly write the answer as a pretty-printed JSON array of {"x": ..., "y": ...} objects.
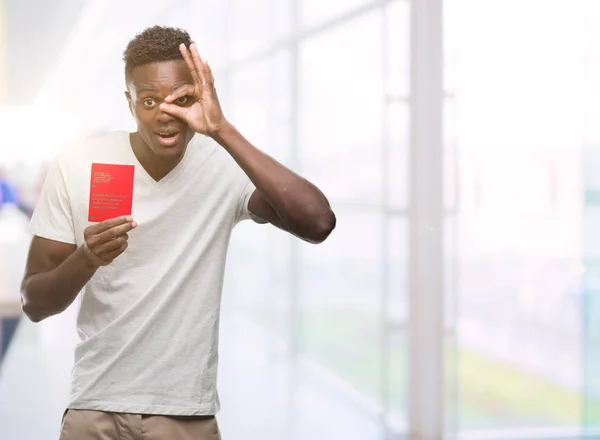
[{"x": 255, "y": 387}]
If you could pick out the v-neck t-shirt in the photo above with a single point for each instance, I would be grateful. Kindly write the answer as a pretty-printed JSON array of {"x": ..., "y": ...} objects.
[{"x": 148, "y": 323}]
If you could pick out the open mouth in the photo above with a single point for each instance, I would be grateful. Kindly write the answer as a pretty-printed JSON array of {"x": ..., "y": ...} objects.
[{"x": 167, "y": 138}]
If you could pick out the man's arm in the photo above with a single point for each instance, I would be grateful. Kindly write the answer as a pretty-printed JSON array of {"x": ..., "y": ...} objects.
[
  {"x": 283, "y": 198},
  {"x": 56, "y": 272}
]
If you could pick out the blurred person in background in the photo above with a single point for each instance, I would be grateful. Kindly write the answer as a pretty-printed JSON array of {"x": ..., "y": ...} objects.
[
  {"x": 9, "y": 195},
  {"x": 149, "y": 314},
  {"x": 14, "y": 214},
  {"x": 8, "y": 192}
]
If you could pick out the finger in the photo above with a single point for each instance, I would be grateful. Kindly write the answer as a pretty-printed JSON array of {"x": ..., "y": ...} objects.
[
  {"x": 208, "y": 75},
  {"x": 180, "y": 92},
  {"x": 115, "y": 253},
  {"x": 190, "y": 63},
  {"x": 113, "y": 233},
  {"x": 175, "y": 110},
  {"x": 91, "y": 256},
  {"x": 107, "y": 224},
  {"x": 198, "y": 63},
  {"x": 102, "y": 250}
]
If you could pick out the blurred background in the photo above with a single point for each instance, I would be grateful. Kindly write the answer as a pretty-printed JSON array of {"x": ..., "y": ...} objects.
[{"x": 459, "y": 143}]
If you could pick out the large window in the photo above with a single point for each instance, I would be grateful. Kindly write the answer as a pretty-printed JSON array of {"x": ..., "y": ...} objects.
[
  {"x": 260, "y": 108},
  {"x": 591, "y": 214},
  {"x": 333, "y": 105},
  {"x": 341, "y": 110},
  {"x": 353, "y": 143},
  {"x": 517, "y": 235}
]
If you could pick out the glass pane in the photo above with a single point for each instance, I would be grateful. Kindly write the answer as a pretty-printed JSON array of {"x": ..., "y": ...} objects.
[
  {"x": 341, "y": 301},
  {"x": 313, "y": 12},
  {"x": 396, "y": 248},
  {"x": 591, "y": 341},
  {"x": 397, "y": 42},
  {"x": 341, "y": 110},
  {"x": 396, "y": 159},
  {"x": 591, "y": 220},
  {"x": 260, "y": 284},
  {"x": 451, "y": 152},
  {"x": 249, "y": 102},
  {"x": 206, "y": 22},
  {"x": 451, "y": 240},
  {"x": 451, "y": 390},
  {"x": 451, "y": 280},
  {"x": 591, "y": 73},
  {"x": 519, "y": 225},
  {"x": 396, "y": 269},
  {"x": 254, "y": 24},
  {"x": 591, "y": 286},
  {"x": 247, "y": 287},
  {"x": 260, "y": 104},
  {"x": 452, "y": 40},
  {"x": 398, "y": 383},
  {"x": 591, "y": 291}
]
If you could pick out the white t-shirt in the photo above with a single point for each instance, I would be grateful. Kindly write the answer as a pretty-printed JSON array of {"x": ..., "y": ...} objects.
[{"x": 149, "y": 322}]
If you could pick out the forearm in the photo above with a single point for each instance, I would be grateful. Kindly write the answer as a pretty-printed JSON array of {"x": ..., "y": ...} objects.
[
  {"x": 296, "y": 201},
  {"x": 49, "y": 293}
]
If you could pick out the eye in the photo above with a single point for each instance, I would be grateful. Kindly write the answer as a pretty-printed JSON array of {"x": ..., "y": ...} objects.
[
  {"x": 182, "y": 101},
  {"x": 148, "y": 102}
]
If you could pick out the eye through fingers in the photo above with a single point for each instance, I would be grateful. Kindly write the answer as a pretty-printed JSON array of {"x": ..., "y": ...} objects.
[{"x": 180, "y": 92}]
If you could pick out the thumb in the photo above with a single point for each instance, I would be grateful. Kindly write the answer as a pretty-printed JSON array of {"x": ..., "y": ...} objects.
[{"x": 174, "y": 110}]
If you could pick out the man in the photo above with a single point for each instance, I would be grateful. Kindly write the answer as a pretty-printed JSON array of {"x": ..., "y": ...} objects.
[{"x": 152, "y": 281}]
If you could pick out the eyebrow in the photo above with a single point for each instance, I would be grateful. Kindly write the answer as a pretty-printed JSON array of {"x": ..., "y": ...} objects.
[{"x": 151, "y": 89}]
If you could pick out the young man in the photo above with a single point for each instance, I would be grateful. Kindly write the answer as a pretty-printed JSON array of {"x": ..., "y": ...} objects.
[{"x": 152, "y": 281}]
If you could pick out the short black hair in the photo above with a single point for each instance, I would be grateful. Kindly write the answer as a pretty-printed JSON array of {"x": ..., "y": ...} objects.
[{"x": 155, "y": 44}]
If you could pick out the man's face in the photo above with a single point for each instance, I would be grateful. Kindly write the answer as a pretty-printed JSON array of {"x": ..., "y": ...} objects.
[{"x": 148, "y": 86}]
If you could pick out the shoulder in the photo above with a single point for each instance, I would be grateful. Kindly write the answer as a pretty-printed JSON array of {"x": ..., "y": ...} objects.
[
  {"x": 201, "y": 146},
  {"x": 215, "y": 164},
  {"x": 207, "y": 152}
]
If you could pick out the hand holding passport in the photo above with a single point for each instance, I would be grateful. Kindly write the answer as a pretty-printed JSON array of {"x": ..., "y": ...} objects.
[{"x": 111, "y": 191}]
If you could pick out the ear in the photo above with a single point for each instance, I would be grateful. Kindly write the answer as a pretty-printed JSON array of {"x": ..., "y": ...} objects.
[{"x": 129, "y": 101}]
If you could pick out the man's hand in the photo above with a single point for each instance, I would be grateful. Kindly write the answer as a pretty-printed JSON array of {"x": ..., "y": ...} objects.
[
  {"x": 107, "y": 240},
  {"x": 204, "y": 114}
]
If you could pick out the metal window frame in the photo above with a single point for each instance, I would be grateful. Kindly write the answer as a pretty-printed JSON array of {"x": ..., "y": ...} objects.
[{"x": 426, "y": 254}]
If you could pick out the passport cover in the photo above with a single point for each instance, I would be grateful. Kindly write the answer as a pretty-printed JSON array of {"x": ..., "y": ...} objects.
[{"x": 111, "y": 191}]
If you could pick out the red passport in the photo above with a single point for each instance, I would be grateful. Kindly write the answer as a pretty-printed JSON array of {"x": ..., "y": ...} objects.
[{"x": 111, "y": 191}]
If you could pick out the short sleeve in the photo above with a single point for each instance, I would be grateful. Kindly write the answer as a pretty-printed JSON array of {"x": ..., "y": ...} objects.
[
  {"x": 52, "y": 217},
  {"x": 243, "y": 213},
  {"x": 243, "y": 189}
]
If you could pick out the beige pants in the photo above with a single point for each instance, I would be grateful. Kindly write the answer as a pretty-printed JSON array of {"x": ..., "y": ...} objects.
[{"x": 99, "y": 425}]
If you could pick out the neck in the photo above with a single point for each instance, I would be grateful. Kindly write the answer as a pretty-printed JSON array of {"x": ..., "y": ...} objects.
[{"x": 157, "y": 167}]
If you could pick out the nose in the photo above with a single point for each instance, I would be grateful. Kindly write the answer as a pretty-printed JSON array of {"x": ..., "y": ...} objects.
[{"x": 164, "y": 117}]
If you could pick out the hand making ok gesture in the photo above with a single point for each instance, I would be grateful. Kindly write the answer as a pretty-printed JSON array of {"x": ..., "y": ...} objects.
[{"x": 203, "y": 114}]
